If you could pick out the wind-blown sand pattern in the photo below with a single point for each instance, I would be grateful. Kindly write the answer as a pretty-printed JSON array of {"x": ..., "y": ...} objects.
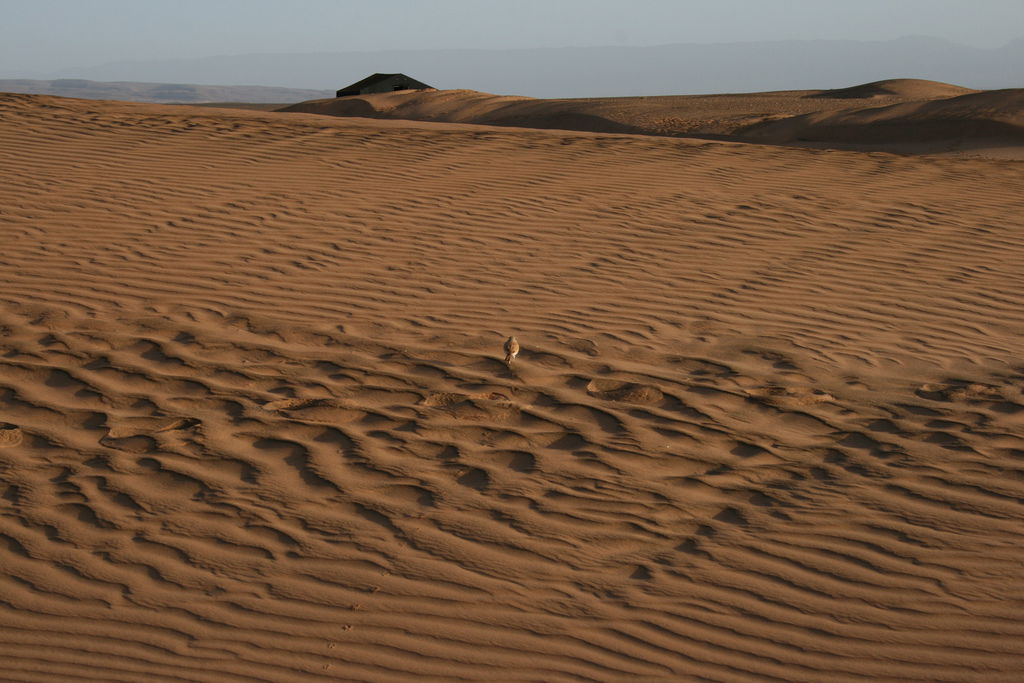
[{"x": 767, "y": 422}]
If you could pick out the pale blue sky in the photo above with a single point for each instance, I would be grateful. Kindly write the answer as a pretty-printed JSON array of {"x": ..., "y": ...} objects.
[{"x": 40, "y": 37}]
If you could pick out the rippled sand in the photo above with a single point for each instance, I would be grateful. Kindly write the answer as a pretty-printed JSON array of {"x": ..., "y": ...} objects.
[{"x": 767, "y": 421}]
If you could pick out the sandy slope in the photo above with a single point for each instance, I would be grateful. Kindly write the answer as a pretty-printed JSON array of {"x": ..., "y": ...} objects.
[
  {"x": 898, "y": 115},
  {"x": 991, "y": 119},
  {"x": 767, "y": 424}
]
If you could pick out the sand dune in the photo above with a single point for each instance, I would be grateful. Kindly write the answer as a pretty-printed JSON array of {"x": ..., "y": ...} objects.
[
  {"x": 986, "y": 119},
  {"x": 848, "y": 117},
  {"x": 767, "y": 422},
  {"x": 897, "y": 88}
]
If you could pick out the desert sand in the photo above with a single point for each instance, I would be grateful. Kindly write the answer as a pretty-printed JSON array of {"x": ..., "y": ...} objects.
[
  {"x": 901, "y": 115},
  {"x": 766, "y": 422}
]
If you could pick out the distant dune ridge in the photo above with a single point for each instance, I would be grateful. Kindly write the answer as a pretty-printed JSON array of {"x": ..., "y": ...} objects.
[
  {"x": 766, "y": 421},
  {"x": 901, "y": 88},
  {"x": 850, "y": 117},
  {"x": 897, "y": 114},
  {"x": 994, "y": 118}
]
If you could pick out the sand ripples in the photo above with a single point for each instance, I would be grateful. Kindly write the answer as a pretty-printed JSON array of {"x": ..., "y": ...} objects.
[{"x": 255, "y": 423}]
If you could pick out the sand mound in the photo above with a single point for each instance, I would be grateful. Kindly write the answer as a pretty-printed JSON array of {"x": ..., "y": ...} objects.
[
  {"x": 992, "y": 118},
  {"x": 469, "y": 106},
  {"x": 255, "y": 422},
  {"x": 899, "y": 88}
]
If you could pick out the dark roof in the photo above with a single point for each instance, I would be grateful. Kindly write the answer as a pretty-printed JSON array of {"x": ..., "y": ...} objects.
[{"x": 370, "y": 80}]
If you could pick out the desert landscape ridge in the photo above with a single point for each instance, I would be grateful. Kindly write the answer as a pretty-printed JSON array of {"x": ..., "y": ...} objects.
[
  {"x": 898, "y": 115},
  {"x": 765, "y": 422}
]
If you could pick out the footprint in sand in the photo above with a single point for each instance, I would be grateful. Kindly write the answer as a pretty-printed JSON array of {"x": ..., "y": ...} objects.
[
  {"x": 625, "y": 392},
  {"x": 10, "y": 435}
]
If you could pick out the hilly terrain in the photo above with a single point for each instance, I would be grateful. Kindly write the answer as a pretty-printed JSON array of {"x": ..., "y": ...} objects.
[{"x": 899, "y": 115}]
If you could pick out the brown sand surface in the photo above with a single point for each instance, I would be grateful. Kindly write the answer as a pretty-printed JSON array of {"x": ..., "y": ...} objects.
[
  {"x": 977, "y": 120},
  {"x": 897, "y": 115},
  {"x": 767, "y": 422}
]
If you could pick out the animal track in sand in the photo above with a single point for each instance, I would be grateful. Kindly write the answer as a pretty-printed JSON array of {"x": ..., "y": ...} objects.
[{"x": 10, "y": 435}]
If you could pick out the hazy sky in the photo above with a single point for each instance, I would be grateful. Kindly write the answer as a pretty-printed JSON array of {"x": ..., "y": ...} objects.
[{"x": 40, "y": 37}]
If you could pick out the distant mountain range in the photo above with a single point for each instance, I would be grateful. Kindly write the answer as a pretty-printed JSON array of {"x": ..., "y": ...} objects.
[
  {"x": 160, "y": 92},
  {"x": 600, "y": 71}
]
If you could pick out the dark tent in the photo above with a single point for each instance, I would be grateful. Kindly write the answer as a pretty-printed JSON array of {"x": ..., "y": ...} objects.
[{"x": 382, "y": 83}]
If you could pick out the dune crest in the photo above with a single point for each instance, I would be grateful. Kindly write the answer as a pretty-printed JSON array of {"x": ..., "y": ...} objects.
[
  {"x": 984, "y": 119},
  {"x": 901, "y": 88}
]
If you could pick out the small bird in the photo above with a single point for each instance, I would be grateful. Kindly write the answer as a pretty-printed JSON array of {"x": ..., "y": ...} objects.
[{"x": 511, "y": 350}]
